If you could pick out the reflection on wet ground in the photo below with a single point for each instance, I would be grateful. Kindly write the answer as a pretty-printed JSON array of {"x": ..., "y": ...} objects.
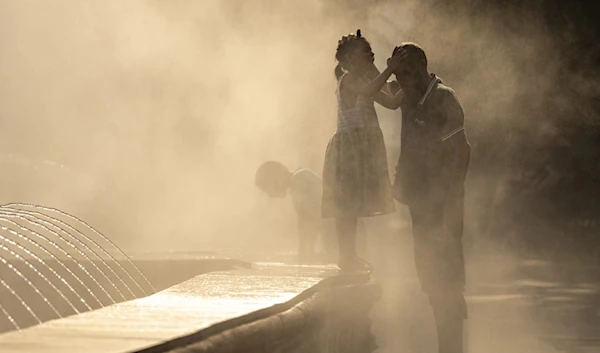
[
  {"x": 527, "y": 306},
  {"x": 561, "y": 299},
  {"x": 566, "y": 302}
]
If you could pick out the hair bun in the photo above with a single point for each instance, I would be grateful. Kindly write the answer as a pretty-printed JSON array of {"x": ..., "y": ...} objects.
[{"x": 358, "y": 34}]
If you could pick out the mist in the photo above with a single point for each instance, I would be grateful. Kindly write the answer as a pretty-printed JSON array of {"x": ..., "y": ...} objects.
[
  {"x": 169, "y": 107},
  {"x": 149, "y": 118}
]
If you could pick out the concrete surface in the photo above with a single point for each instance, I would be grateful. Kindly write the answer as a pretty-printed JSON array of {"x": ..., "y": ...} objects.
[{"x": 178, "y": 311}]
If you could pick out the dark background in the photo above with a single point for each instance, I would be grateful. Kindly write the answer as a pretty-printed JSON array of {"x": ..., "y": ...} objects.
[{"x": 547, "y": 143}]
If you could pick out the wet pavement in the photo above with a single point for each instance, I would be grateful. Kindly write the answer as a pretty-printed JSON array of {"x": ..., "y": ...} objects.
[
  {"x": 525, "y": 315},
  {"x": 565, "y": 301},
  {"x": 516, "y": 304}
]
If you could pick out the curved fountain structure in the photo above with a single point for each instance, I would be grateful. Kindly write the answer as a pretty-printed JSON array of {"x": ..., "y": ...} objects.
[{"x": 52, "y": 265}]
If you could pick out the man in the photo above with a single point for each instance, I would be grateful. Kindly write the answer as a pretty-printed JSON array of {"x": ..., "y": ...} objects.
[{"x": 430, "y": 181}]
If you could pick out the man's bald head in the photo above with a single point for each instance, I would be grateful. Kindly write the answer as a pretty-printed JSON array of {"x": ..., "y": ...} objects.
[
  {"x": 415, "y": 54},
  {"x": 412, "y": 73}
]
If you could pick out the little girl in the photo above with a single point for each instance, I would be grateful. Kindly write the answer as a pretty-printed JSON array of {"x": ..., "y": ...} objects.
[{"x": 356, "y": 182}]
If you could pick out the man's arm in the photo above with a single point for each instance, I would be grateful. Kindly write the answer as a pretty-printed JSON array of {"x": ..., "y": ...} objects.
[{"x": 455, "y": 147}]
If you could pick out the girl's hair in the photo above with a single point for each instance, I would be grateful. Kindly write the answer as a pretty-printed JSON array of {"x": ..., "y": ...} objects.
[{"x": 345, "y": 47}]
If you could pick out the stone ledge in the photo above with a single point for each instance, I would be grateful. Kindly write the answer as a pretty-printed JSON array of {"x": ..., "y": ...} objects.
[
  {"x": 283, "y": 327},
  {"x": 207, "y": 306}
]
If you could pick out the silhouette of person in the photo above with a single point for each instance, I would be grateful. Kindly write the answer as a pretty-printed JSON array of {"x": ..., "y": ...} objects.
[
  {"x": 356, "y": 182},
  {"x": 429, "y": 180},
  {"x": 304, "y": 188}
]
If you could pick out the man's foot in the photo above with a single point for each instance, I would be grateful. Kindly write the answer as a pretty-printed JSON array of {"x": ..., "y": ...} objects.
[{"x": 354, "y": 264}]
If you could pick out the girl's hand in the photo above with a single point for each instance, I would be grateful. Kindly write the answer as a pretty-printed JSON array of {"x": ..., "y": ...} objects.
[{"x": 397, "y": 58}]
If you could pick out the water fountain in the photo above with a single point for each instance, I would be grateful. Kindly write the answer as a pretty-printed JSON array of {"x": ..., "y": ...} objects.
[
  {"x": 69, "y": 244},
  {"x": 22, "y": 207},
  {"x": 40, "y": 274},
  {"x": 53, "y": 265},
  {"x": 54, "y": 258},
  {"x": 9, "y": 318}
]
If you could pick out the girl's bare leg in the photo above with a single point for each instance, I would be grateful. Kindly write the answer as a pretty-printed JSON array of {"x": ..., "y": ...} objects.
[
  {"x": 346, "y": 234},
  {"x": 361, "y": 240},
  {"x": 346, "y": 229}
]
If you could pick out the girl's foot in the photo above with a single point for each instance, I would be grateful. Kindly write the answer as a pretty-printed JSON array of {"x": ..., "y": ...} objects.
[{"x": 354, "y": 264}]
